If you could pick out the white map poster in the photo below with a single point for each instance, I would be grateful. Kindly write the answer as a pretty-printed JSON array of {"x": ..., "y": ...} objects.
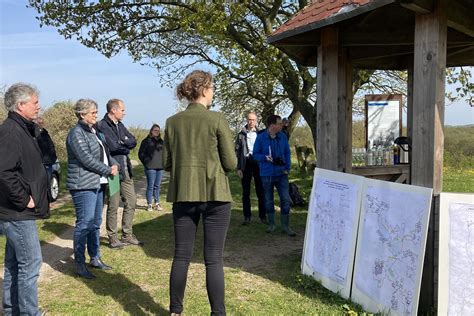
[
  {"x": 456, "y": 254},
  {"x": 390, "y": 247},
  {"x": 331, "y": 229}
]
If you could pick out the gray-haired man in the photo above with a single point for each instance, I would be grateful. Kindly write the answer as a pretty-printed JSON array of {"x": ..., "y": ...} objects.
[{"x": 23, "y": 199}]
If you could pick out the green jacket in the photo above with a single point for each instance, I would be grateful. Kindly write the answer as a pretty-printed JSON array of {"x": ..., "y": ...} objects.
[{"x": 198, "y": 151}]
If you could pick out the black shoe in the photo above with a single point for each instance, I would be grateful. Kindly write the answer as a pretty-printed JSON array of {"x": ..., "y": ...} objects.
[
  {"x": 246, "y": 221},
  {"x": 81, "y": 270},
  {"x": 263, "y": 220},
  {"x": 97, "y": 263}
]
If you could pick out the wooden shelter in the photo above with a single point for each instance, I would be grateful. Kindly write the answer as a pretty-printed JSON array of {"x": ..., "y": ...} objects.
[{"x": 421, "y": 36}]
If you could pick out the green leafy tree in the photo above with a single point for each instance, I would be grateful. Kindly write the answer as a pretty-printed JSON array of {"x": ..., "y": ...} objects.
[{"x": 228, "y": 36}]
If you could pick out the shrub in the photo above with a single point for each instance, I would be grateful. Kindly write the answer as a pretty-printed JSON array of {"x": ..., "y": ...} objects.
[{"x": 59, "y": 119}]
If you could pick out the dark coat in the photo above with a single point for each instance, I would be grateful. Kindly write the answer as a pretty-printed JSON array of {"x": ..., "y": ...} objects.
[
  {"x": 151, "y": 152},
  {"x": 241, "y": 147},
  {"x": 120, "y": 141},
  {"x": 85, "y": 158},
  {"x": 22, "y": 173},
  {"x": 198, "y": 151},
  {"x": 46, "y": 146}
]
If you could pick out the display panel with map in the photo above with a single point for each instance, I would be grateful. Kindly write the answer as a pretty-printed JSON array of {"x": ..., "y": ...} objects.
[
  {"x": 456, "y": 254},
  {"x": 331, "y": 229},
  {"x": 390, "y": 247}
]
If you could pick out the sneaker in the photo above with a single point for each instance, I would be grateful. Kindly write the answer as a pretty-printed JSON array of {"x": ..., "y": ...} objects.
[
  {"x": 114, "y": 242},
  {"x": 149, "y": 208},
  {"x": 158, "y": 207},
  {"x": 246, "y": 221},
  {"x": 130, "y": 239}
]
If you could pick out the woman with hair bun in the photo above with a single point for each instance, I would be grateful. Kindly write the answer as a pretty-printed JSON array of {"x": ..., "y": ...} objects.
[{"x": 198, "y": 151}]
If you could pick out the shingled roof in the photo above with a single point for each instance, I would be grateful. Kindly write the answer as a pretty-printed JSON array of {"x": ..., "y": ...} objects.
[
  {"x": 377, "y": 34},
  {"x": 317, "y": 11},
  {"x": 325, "y": 12}
]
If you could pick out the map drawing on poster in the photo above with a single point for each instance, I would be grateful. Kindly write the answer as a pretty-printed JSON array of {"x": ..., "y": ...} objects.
[
  {"x": 390, "y": 248},
  {"x": 332, "y": 229},
  {"x": 383, "y": 120},
  {"x": 461, "y": 250},
  {"x": 456, "y": 254}
]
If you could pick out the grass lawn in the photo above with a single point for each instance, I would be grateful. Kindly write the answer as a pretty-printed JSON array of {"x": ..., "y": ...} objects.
[{"x": 262, "y": 270}]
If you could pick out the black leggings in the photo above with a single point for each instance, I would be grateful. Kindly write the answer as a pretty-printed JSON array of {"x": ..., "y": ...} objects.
[{"x": 216, "y": 219}]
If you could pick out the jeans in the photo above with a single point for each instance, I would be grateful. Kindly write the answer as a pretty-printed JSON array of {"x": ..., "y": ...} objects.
[
  {"x": 216, "y": 219},
  {"x": 283, "y": 188},
  {"x": 153, "y": 181},
  {"x": 252, "y": 170},
  {"x": 22, "y": 265},
  {"x": 88, "y": 205},
  {"x": 129, "y": 199}
]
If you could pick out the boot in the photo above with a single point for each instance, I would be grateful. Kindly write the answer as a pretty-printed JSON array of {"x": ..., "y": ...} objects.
[
  {"x": 83, "y": 272},
  {"x": 271, "y": 223},
  {"x": 285, "y": 225}
]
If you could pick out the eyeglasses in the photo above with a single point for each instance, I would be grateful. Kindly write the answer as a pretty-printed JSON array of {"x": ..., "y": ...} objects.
[{"x": 94, "y": 112}]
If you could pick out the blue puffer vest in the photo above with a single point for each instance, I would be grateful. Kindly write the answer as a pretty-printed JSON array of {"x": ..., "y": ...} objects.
[{"x": 85, "y": 159}]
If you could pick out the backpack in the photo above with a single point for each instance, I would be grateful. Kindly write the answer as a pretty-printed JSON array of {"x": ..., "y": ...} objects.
[{"x": 295, "y": 196}]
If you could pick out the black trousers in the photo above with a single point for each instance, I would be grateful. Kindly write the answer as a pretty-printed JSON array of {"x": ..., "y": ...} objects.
[
  {"x": 216, "y": 219},
  {"x": 252, "y": 170}
]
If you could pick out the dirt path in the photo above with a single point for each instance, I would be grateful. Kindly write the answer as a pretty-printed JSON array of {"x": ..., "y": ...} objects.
[{"x": 59, "y": 252}]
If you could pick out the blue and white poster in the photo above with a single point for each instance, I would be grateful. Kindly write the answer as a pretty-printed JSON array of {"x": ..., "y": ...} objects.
[{"x": 383, "y": 122}]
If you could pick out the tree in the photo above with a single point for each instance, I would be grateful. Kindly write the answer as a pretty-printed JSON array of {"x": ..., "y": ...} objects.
[
  {"x": 3, "y": 110},
  {"x": 58, "y": 120},
  {"x": 173, "y": 36}
]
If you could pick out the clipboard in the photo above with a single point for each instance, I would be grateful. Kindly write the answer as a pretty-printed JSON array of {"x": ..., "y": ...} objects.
[{"x": 114, "y": 184}]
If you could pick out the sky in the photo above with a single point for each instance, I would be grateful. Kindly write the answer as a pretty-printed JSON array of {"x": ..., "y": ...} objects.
[{"x": 66, "y": 70}]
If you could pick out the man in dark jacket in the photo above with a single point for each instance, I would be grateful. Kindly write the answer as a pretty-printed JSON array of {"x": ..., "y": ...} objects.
[
  {"x": 247, "y": 167},
  {"x": 23, "y": 199},
  {"x": 46, "y": 146},
  {"x": 45, "y": 143},
  {"x": 120, "y": 141}
]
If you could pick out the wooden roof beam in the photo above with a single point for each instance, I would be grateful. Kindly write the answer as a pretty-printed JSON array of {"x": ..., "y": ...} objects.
[
  {"x": 460, "y": 15},
  {"x": 461, "y": 18},
  {"x": 418, "y": 6}
]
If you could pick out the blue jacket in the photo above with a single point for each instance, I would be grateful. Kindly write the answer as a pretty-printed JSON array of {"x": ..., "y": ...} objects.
[{"x": 279, "y": 149}]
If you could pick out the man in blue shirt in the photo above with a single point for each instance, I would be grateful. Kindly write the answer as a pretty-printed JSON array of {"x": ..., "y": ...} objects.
[{"x": 272, "y": 151}]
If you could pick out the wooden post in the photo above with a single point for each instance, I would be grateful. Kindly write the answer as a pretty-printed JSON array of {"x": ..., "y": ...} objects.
[
  {"x": 327, "y": 100},
  {"x": 428, "y": 118},
  {"x": 410, "y": 110},
  {"x": 344, "y": 113}
]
